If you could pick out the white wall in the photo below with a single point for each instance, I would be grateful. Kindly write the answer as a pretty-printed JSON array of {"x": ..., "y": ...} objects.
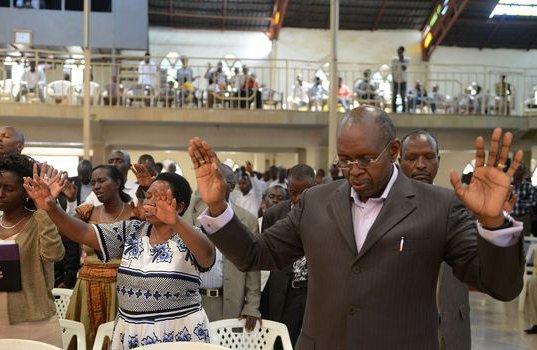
[
  {"x": 208, "y": 43},
  {"x": 313, "y": 45}
]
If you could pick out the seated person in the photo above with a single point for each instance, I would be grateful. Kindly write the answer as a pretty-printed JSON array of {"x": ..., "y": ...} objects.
[
  {"x": 416, "y": 96},
  {"x": 436, "y": 99},
  {"x": 33, "y": 80},
  {"x": 300, "y": 93},
  {"x": 344, "y": 94},
  {"x": 113, "y": 93},
  {"x": 365, "y": 88},
  {"x": 317, "y": 95},
  {"x": 167, "y": 94}
]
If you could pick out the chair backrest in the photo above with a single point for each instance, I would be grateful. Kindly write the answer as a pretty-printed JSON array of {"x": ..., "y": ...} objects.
[
  {"x": 231, "y": 333},
  {"x": 182, "y": 346},
  {"x": 104, "y": 331},
  {"x": 72, "y": 329},
  {"x": 11, "y": 344},
  {"x": 62, "y": 296},
  {"x": 60, "y": 87}
]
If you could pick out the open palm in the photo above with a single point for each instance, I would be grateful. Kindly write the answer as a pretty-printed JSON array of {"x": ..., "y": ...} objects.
[
  {"x": 490, "y": 185},
  {"x": 39, "y": 191},
  {"x": 211, "y": 183}
]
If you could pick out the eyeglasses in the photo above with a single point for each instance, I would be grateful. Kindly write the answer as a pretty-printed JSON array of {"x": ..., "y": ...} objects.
[{"x": 362, "y": 162}]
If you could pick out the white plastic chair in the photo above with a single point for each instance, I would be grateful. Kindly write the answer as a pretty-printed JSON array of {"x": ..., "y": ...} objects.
[
  {"x": 528, "y": 271},
  {"x": 60, "y": 91},
  {"x": 104, "y": 331},
  {"x": 231, "y": 333},
  {"x": 12, "y": 344},
  {"x": 182, "y": 346},
  {"x": 72, "y": 329},
  {"x": 62, "y": 296}
]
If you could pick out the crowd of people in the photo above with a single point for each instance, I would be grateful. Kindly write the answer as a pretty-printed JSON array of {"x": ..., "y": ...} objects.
[
  {"x": 238, "y": 87},
  {"x": 162, "y": 261}
]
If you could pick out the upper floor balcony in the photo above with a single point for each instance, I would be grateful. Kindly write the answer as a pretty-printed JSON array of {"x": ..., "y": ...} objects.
[{"x": 231, "y": 83}]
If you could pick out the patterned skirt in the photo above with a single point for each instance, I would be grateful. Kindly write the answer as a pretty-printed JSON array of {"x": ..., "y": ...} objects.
[{"x": 134, "y": 330}]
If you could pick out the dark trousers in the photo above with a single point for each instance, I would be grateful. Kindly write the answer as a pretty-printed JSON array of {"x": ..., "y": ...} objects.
[
  {"x": 293, "y": 314},
  {"x": 399, "y": 88}
]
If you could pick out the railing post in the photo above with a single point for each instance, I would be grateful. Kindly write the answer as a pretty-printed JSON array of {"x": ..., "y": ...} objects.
[{"x": 86, "y": 105}]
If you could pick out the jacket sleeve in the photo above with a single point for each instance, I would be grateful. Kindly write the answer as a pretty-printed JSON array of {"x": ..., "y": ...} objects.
[
  {"x": 252, "y": 284},
  {"x": 494, "y": 270},
  {"x": 50, "y": 243}
]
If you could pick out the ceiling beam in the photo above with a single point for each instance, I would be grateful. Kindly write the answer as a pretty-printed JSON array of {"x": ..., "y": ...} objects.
[
  {"x": 278, "y": 16},
  {"x": 379, "y": 15},
  {"x": 491, "y": 34},
  {"x": 218, "y": 17},
  {"x": 533, "y": 42},
  {"x": 433, "y": 37},
  {"x": 511, "y": 22}
]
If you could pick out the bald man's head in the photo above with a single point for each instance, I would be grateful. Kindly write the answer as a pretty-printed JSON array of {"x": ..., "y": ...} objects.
[{"x": 11, "y": 140}]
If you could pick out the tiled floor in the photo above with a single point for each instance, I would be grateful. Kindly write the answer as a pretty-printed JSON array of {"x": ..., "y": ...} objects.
[{"x": 498, "y": 326}]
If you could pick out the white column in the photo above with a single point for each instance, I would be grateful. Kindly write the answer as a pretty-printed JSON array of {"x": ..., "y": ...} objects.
[
  {"x": 332, "y": 115},
  {"x": 86, "y": 127}
]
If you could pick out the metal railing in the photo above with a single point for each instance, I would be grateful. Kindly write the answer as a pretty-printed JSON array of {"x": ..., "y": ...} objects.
[{"x": 119, "y": 80}]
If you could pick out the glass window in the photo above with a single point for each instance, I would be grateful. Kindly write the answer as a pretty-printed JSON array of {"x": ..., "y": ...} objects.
[
  {"x": 96, "y": 5},
  {"x": 4, "y": 3}
]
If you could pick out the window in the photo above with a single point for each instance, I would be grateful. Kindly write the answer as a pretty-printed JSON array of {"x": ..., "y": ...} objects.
[
  {"x": 524, "y": 8},
  {"x": 96, "y": 5}
]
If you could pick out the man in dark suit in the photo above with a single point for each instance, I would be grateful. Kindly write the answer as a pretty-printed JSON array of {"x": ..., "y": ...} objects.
[
  {"x": 284, "y": 297},
  {"x": 375, "y": 241},
  {"x": 419, "y": 160},
  {"x": 66, "y": 270}
]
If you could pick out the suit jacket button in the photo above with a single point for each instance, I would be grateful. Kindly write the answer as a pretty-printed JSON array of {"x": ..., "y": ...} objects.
[
  {"x": 356, "y": 269},
  {"x": 353, "y": 309}
]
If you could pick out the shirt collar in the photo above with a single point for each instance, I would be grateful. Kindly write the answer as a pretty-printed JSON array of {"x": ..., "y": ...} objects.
[{"x": 384, "y": 195}]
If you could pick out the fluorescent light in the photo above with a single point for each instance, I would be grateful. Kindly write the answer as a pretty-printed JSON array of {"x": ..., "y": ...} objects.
[{"x": 523, "y": 8}]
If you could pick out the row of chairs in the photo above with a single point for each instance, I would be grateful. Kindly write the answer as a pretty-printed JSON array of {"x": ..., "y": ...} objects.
[{"x": 227, "y": 333}]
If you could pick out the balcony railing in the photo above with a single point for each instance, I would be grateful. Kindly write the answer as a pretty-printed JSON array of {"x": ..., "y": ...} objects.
[{"x": 54, "y": 78}]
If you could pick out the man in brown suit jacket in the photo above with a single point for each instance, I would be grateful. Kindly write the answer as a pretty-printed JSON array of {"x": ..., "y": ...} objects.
[
  {"x": 419, "y": 161},
  {"x": 375, "y": 241}
]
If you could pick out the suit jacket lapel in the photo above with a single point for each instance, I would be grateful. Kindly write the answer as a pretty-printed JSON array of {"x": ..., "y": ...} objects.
[
  {"x": 397, "y": 206},
  {"x": 339, "y": 208}
]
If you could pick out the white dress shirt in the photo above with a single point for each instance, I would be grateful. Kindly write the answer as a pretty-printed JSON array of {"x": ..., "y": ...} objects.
[{"x": 214, "y": 278}]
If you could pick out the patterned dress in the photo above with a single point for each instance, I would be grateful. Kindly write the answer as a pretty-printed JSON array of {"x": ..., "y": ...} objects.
[{"x": 157, "y": 287}]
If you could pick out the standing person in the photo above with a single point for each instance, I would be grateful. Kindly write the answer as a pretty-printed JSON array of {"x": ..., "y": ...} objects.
[
  {"x": 400, "y": 78},
  {"x": 526, "y": 198},
  {"x": 28, "y": 313},
  {"x": 419, "y": 160},
  {"x": 284, "y": 297},
  {"x": 373, "y": 259},
  {"x": 148, "y": 77},
  {"x": 227, "y": 292},
  {"x": 11, "y": 140},
  {"x": 82, "y": 181},
  {"x": 94, "y": 299},
  {"x": 121, "y": 160},
  {"x": 161, "y": 262}
]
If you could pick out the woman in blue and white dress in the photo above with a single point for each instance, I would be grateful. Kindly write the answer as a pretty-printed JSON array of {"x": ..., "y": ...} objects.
[{"x": 161, "y": 262}]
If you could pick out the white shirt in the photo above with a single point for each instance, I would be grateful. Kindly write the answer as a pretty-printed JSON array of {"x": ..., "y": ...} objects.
[
  {"x": 214, "y": 278},
  {"x": 250, "y": 202},
  {"x": 300, "y": 92},
  {"x": 147, "y": 74},
  {"x": 398, "y": 74},
  {"x": 31, "y": 79}
]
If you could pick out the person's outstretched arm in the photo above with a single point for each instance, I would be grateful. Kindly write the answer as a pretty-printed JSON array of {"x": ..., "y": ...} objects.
[
  {"x": 40, "y": 190},
  {"x": 165, "y": 209}
]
